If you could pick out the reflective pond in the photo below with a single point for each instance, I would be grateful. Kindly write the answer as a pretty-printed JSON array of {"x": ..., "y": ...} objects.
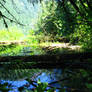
[{"x": 17, "y": 78}]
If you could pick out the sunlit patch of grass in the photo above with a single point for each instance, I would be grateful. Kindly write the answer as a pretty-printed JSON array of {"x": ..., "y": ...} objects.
[
  {"x": 10, "y": 50},
  {"x": 11, "y": 34},
  {"x": 13, "y": 50}
]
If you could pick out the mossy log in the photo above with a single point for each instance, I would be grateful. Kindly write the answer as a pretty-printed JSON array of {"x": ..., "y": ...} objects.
[
  {"x": 48, "y": 58},
  {"x": 64, "y": 65},
  {"x": 75, "y": 60}
]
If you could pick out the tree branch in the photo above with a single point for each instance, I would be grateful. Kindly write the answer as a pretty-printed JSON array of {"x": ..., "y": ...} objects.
[
  {"x": 11, "y": 15},
  {"x": 10, "y": 19},
  {"x": 76, "y": 8}
]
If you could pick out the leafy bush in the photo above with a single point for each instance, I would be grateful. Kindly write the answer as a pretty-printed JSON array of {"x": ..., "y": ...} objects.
[
  {"x": 46, "y": 22},
  {"x": 82, "y": 36}
]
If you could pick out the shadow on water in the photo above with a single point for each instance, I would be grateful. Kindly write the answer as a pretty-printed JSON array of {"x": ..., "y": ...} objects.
[
  {"x": 17, "y": 77},
  {"x": 63, "y": 79},
  {"x": 48, "y": 76}
]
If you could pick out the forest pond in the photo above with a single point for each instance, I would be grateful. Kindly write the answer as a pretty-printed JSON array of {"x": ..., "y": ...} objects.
[{"x": 17, "y": 78}]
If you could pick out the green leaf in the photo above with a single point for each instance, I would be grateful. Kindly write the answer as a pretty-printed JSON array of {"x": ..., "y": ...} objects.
[
  {"x": 51, "y": 90},
  {"x": 38, "y": 81},
  {"x": 41, "y": 87}
]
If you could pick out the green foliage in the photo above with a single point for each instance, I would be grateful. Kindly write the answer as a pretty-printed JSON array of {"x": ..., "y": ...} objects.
[
  {"x": 3, "y": 87},
  {"x": 58, "y": 20},
  {"x": 41, "y": 87},
  {"x": 55, "y": 21},
  {"x": 11, "y": 34},
  {"x": 82, "y": 36},
  {"x": 51, "y": 90},
  {"x": 32, "y": 38},
  {"x": 46, "y": 23},
  {"x": 10, "y": 50}
]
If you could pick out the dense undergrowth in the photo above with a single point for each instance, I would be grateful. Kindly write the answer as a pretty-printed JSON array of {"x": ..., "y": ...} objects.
[{"x": 61, "y": 23}]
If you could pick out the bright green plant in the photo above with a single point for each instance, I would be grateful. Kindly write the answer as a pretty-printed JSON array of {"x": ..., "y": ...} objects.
[
  {"x": 41, "y": 87},
  {"x": 11, "y": 34},
  {"x": 10, "y": 50}
]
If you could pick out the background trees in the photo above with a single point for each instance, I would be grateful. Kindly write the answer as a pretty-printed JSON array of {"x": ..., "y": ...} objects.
[{"x": 67, "y": 18}]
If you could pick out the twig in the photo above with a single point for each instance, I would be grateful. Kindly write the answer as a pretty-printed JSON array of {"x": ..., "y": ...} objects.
[
  {"x": 8, "y": 11},
  {"x": 11, "y": 15},
  {"x": 12, "y": 20},
  {"x": 60, "y": 80}
]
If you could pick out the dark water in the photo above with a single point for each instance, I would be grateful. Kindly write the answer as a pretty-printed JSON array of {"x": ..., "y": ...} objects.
[
  {"x": 44, "y": 77},
  {"x": 17, "y": 77}
]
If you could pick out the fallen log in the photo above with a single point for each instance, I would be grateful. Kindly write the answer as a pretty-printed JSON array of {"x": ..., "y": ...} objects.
[
  {"x": 12, "y": 42},
  {"x": 64, "y": 65},
  {"x": 57, "y": 58}
]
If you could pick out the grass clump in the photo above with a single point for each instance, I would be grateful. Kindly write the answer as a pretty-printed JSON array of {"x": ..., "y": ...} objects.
[{"x": 11, "y": 34}]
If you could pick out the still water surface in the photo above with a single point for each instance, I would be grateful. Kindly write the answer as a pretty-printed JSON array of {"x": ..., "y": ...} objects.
[{"x": 17, "y": 77}]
